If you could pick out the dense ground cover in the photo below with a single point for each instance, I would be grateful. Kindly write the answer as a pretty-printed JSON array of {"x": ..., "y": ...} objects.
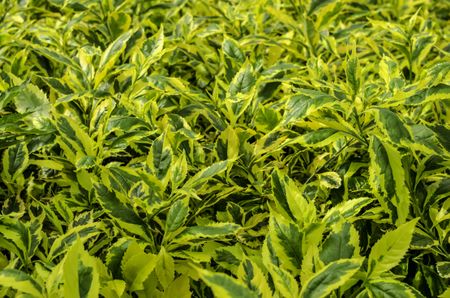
[{"x": 261, "y": 148}]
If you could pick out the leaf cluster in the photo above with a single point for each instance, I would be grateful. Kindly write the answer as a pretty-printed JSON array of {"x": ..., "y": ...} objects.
[{"x": 260, "y": 148}]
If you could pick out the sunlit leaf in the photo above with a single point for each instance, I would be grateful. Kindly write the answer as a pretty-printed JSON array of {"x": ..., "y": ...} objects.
[{"x": 390, "y": 249}]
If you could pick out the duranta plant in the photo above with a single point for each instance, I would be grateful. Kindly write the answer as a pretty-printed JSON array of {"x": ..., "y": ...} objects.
[{"x": 212, "y": 148}]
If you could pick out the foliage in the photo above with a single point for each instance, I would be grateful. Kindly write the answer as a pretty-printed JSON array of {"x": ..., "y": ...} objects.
[{"x": 260, "y": 148}]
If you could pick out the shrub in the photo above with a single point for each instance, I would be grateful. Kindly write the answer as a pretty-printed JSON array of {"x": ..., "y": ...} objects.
[{"x": 259, "y": 148}]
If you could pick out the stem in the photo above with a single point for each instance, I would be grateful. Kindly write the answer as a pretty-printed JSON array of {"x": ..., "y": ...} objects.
[{"x": 358, "y": 123}]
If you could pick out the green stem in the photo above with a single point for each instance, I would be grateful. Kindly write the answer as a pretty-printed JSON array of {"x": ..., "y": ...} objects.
[{"x": 358, "y": 123}]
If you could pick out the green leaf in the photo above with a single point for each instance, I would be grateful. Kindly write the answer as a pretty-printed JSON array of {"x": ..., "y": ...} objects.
[
  {"x": 23, "y": 239},
  {"x": 317, "y": 4},
  {"x": 389, "y": 71},
  {"x": 155, "y": 44},
  {"x": 387, "y": 179},
  {"x": 231, "y": 49},
  {"x": 100, "y": 115},
  {"x": 290, "y": 201},
  {"x": 120, "y": 179},
  {"x": 160, "y": 157},
  {"x": 283, "y": 281},
  {"x": 287, "y": 240},
  {"x": 427, "y": 137},
  {"x": 330, "y": 180},
  {"x": 390, "y": 249},
  {"x": 228, "y": 257},
  {"x": 47, "y": 164},
  {"x": 153, "y": 49},
  {"x": 20, "y": 281},
  {"x": 432, "y": 94},
  {"x": 110, "y": 57},
  {"x": 80, "y": 274},
  {"x": 267, "y": 119},
  {"x": 319, "y": 138},
  {"x": 303, "y": 211},
  {"x": 305, "y": 103},
  {"x": 14, "y": 161},
  {"x": 85, "y": 162},
  {"x": 115, "y": 255},
  {"x": 342, "y": 243},
  {"x": 443, "y": 268},
  {"x": 215, "y": 230},
  {"x": 178, "y": 288},
  {"x": 280, "y": 193},
  {"x": 137, "y": 267},
  {"x": 353, "y": 73},
  {"x": 421, "y": 240},
  {"x": 437, "y": 72},
  {"x": 331, "y": 277},
  {"x": 165, "y": 268},
  {"x": 76, "y": 142},
  {"x": 177, "y": 214},
  {"x": 421, "y": 46},
  {"x": 179, "y": 171},
  {"x": 393, "y": 126},
  {"x": 445, "y": 294},
  {"x": 118, "y": 22},
  {"x": 243, "y": 81},
  {"x": 29, "y": 98},
  {"x": 225, "y": 286},
  {"x": 120, "y": 212},
  {"x": 392, "y": 288},
  {"x": 80, "y": 233},
  {"x": 346, "y": 210},
  {"x": 227, "y": 145},
  {"x": 205, "y": 174},
  {"x": 252, "y": 275},
  {"x": 113, "y": 288},
  {"x": 55, "y": 56}
]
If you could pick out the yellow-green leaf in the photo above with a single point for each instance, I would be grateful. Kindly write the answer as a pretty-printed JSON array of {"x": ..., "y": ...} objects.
[
  {"x": 387, "y": 179},
  {"x": 331, "y": 277},
  {"x": 110, "y": 57},
  {"x": 390, "y": 249},
  {"x": 20, "y": 281}
]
